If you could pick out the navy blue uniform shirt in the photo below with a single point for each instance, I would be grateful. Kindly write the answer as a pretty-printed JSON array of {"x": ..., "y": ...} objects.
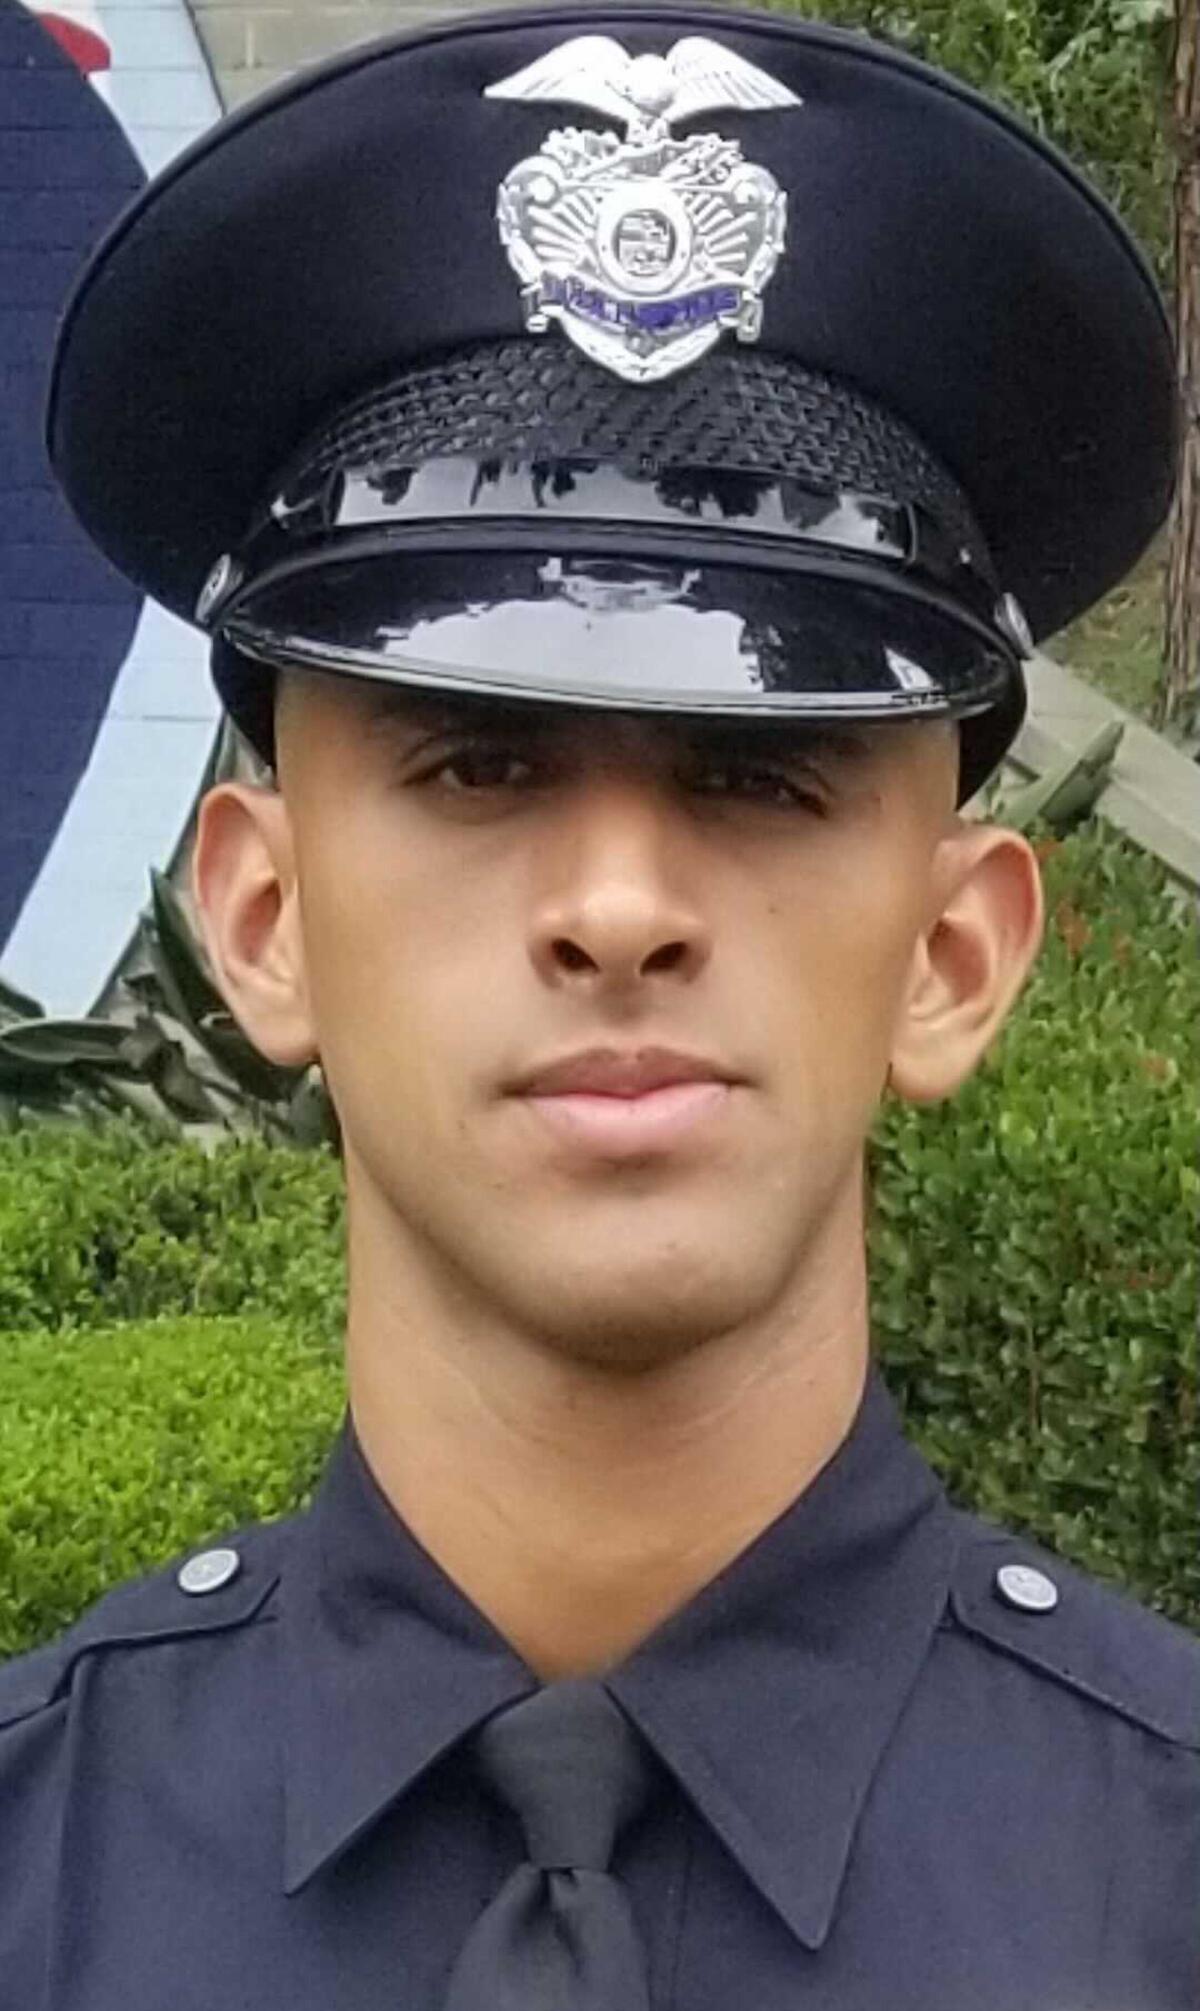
[{"x": 880, "y": 1785}]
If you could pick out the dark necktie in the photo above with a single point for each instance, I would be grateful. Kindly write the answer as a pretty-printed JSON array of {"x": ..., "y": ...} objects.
[{"x": 560, "y": 1934}]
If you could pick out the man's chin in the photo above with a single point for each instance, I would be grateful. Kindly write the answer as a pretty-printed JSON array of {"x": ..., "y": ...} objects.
[{"x": 641, "y": 1317}]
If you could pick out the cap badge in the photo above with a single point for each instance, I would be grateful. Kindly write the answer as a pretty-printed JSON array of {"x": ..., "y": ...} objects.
[{"x": 643, "y": 248}]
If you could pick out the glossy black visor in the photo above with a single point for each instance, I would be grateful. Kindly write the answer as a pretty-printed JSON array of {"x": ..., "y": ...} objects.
[
  {"x": 690, "y": 590},
  {"x": 750, "y": 538}
]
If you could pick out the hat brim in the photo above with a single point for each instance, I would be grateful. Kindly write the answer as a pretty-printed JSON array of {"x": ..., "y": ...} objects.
[{"x": 715, "y": 640}]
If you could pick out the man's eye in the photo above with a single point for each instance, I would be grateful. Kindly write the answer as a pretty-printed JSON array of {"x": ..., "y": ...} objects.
[
  {"x": 757, "y": 784},
  {"x": 476, "y": 768}
]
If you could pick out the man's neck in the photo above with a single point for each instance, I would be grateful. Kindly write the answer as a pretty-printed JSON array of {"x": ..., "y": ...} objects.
[{"x": 577, "y": 1508}]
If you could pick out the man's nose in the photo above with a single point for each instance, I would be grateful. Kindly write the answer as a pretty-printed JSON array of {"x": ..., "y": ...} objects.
[{"x": 617, "y": 900}]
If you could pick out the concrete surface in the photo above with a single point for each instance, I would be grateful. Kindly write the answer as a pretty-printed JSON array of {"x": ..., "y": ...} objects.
[{"x": 1154, "y": 794}]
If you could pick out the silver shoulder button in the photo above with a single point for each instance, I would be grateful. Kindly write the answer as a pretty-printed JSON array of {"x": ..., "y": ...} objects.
[
  {"x": 208, "y": 1571},
  {"x": 1029, "y": 1590}
]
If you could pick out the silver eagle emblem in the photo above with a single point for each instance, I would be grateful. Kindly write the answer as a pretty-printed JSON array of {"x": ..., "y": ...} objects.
[{"x": 643, "y": 248}]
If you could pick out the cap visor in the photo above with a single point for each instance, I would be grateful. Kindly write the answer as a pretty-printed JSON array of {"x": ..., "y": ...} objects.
[{"x": 705, "y": 639}]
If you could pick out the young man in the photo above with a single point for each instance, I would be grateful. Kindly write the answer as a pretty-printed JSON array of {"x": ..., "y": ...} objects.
[{"x": 612, "y": 533}]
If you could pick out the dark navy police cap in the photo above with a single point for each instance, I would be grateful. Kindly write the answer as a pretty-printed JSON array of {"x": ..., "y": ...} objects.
[{"x": 652, "y": 358}]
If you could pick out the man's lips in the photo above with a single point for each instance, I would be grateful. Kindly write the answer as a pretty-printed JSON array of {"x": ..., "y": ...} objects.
[
  {"x": 617, "y": 1126},
  {"x": 613, "y": 1072},
  {"x": 621, "y": 1104}
]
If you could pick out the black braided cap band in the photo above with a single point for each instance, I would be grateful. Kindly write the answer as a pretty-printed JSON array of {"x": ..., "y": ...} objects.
[{"x": 537, "y": 401}]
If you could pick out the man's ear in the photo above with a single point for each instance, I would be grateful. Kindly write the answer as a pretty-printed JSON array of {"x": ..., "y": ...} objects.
[
  {"x": 244, "y": 884},
  {"x": 970, "y": 962}
]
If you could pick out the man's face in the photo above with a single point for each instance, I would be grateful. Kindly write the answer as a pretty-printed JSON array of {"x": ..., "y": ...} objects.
[{"x": 486, "y": 894}]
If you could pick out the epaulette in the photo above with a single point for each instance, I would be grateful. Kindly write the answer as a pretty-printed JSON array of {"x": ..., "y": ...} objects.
[
  {"x": 157, "y": 1607},
  {"x": 1029, "y": 1603}
]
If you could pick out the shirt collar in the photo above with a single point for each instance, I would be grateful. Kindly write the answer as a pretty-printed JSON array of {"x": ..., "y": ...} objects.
[
  {"x": 380, "y": 1643},
  {"x": 824, "y": 1619},
  {"x": 825, "y": 1622}
]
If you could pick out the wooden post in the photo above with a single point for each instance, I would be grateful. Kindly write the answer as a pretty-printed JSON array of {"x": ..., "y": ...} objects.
[{"x": 1179, "y": 693}]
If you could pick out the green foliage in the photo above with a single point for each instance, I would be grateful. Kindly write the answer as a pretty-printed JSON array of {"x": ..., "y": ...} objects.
[
  {"x": 165, "y": 1048},
  {"x": 1118, "y": 644},
  {"x": 1033, "y": 1279},
  {"x": 162, "y": 1044},
  {"x": 1090, "y": 75},
  {"x": 119, "y": 1449},
  {"x": 107, "y": 1223},
  {"x": 1034, "y": 1246}
]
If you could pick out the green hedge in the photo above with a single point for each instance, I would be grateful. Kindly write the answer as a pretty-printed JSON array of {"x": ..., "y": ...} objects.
[
  {"x": 1033, "y": 1276},
  {"x": 1034, "y": 1244},
  {"x": 118, "y": 1449},
  {"x": 107, "y": 1224}
]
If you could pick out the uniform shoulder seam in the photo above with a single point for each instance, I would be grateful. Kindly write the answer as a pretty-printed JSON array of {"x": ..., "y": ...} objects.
[
  {"x": 145, "y": 1611},
  {"x": 1095, "y": 1639}
]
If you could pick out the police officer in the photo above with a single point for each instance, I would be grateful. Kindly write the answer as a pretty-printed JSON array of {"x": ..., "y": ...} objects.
[{"x": 620, "y": 458}]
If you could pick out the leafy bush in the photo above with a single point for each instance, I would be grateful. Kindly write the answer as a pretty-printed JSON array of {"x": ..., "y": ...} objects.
[
  {"x": 164, "y": 1046},
  {"x": 1033, "y": 1277},
  {"x": 1034, "y": 1247},
  {"x": 106, "y": 1223},
  {"x": 119, "y": 1449}
]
